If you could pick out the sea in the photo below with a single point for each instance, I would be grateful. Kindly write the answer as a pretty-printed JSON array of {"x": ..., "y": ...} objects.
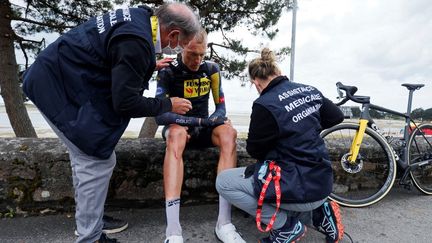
[{"x": 238, "y": 98}]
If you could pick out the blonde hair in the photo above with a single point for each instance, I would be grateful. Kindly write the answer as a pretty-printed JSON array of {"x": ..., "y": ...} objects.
[{"x": 264, "y": 66}]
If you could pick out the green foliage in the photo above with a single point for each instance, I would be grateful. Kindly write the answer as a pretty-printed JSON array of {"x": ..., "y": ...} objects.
[
  {"x": 417, "y": 113},
  {"x": 428, "y": 114},
  {"x": 421, "y": 114},
  {"x": 37, "y": 16},
  {"x": 9, "y": 214},
  {"x": 259, "y": 17}
]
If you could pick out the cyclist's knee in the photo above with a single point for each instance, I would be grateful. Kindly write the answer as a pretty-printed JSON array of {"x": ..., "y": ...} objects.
[
  {"x": 176, "y": 136},
  {"x": 225, "y": 136}
]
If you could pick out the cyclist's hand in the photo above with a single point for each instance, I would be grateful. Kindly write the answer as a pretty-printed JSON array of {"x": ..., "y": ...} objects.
[
  {"x": 213, "y": 122},
  {"x": 180, "y": 105}
]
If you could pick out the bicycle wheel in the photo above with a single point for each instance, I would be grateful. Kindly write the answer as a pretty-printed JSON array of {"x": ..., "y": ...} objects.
[
  {"x": 373, "y": 174},
  {"x": 420, "y": 149}
]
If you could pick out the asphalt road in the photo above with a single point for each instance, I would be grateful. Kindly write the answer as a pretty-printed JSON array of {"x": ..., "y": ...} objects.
[{"x": 402, "y": 216}]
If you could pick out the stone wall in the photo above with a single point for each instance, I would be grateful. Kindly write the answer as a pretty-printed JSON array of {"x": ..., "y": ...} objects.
[{"x": 35, "y": 174}]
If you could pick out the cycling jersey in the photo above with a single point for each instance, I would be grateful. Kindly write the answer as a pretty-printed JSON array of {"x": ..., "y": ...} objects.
[{"x": 177, "y": 80}]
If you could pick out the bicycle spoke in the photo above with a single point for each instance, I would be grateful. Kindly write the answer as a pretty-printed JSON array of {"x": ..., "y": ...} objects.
[
  {"x": 367, "y": 179},
  {"x": 420, "y": 151}
]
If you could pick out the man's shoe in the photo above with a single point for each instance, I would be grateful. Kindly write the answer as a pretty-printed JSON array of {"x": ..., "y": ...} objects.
[
  {"x": 174, "y": 239},
  {"x": 228, "y": 234},
  {"x": 104, "y": 239},
  {"x": 111, "y": 225},
  {"x": 327, "y": 220},
  {"x": 286, "y": 234}
]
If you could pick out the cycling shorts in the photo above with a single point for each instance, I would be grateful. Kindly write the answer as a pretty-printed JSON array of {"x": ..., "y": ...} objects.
[{"x": 200, "y": 137}]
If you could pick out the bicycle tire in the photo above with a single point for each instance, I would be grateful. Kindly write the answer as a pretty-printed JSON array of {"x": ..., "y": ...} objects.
[
  {"x": 420, "y": 149},
  {"x": 376, "y": 177}
]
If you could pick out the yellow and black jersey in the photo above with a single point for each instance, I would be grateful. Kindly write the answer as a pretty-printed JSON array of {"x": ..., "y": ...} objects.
[{"x": 177, "y": 80}]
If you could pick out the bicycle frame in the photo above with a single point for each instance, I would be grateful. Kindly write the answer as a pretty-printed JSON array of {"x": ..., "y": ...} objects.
[
  {"x": 367, "y": 165},
  {"x": 366, "y": 120}
]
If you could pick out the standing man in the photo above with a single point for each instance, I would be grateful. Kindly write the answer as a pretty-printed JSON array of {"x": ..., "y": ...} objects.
[
  {"x": 90, "y": 82},
  {"x": 192, "y": 78}
]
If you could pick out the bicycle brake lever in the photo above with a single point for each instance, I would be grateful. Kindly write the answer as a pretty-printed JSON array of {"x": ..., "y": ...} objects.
[{"x": 340, "y": 93}]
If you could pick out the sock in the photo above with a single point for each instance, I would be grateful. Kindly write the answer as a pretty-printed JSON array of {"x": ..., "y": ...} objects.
[
  {"x": 224, "y": 216},
  {"x": 172, "y": 208}
]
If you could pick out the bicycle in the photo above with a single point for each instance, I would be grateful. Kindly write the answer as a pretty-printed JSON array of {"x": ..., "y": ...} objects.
[{"x": 364, "y": 161}]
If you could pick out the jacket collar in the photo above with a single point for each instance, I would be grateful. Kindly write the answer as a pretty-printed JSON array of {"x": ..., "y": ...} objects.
[{"x": 274, "y": 82}]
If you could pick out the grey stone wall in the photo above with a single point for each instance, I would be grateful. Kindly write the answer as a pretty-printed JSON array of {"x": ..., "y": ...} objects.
[{"x": 35, "y": 174}]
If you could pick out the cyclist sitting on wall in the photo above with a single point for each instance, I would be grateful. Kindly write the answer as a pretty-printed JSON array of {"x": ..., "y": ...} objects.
[
  {"x": 192, "y": 78},
  {"x": 292, "y": 163}
]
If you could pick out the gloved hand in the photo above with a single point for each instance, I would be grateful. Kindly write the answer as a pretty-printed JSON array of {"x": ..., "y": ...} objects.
[{"x": 213, "y": 121}]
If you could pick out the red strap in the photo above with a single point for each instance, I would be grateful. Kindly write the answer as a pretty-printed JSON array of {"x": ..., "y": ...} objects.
[{"x": 277, "y": 171}]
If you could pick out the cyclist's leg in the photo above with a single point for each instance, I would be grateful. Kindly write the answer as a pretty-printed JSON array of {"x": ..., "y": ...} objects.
[
  {"x": 224, "y": 137},
  {"x": 176, "y": 137}
]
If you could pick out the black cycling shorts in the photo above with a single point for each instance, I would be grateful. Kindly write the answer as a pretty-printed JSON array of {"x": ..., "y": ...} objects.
[{"x": 201, "y": 137}]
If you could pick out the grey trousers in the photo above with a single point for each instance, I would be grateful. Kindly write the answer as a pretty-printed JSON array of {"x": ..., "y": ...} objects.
[
  {"x": 238, "y": 190},
  {"x": 91, "y": 176}
]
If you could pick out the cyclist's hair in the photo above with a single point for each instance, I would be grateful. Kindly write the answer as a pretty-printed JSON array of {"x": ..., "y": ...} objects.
[
  {"x": 201, "y": 36},
  {"x": 264, "y": 66},
  {"x": 180, "y": 16}
]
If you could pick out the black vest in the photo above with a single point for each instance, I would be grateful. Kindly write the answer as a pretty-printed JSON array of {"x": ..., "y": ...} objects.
[
  {"x": 300, "y": 150},
  {"x": 70, "y": 81}
]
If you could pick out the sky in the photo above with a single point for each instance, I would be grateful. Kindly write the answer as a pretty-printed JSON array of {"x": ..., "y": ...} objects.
[{"x": 375, "y": 45}]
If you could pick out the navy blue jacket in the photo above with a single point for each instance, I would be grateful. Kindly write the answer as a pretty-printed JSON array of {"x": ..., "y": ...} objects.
[
  {"x": 297, "y": 146},
  {"x": 89, "y": 91}
]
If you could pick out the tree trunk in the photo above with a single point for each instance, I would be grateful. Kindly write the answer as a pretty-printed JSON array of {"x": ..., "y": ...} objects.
[
  {"x": 149, "y": 128},
  {"x": 9, "y": 85}
]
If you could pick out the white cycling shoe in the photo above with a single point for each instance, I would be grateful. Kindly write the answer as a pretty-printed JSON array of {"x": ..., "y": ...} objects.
[
  {"x": 174, "y": 239},
  {"x": 228, "y": 234}
]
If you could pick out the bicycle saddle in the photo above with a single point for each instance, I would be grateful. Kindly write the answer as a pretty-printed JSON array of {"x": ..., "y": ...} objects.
[{"x": 413, "y": 86}]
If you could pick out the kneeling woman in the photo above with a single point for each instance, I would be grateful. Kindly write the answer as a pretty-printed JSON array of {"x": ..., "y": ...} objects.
[{"x": 292, "y": 176}]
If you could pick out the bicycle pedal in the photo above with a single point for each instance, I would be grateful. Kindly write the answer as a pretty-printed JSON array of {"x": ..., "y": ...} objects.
[{"x": 406, "y": 185}]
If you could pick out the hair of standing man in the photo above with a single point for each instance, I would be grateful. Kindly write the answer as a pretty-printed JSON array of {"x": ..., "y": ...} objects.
[
  {"x": 264, "y": 66},
  {"x": 178, "y": 15}
]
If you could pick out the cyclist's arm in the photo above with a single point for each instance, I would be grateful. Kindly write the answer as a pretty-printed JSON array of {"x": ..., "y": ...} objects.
[
  {"x": 218, "y": 95},
  {"x": 263, "y": 132},
  {"x": 330, "y": 114},
  {"x": 162, "y": 91},
  {"x": 173, "y": 118}
]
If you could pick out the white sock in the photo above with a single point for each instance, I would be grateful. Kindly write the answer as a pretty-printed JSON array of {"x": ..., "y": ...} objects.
[
  {"x": 172, "y": 208},
  {"x": 224, "y": 216}
]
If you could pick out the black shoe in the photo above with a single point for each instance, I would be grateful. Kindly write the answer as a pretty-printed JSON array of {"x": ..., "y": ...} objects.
[
  {"x": 111, "y": 225},
  {"x": 104, "y": 239}
]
